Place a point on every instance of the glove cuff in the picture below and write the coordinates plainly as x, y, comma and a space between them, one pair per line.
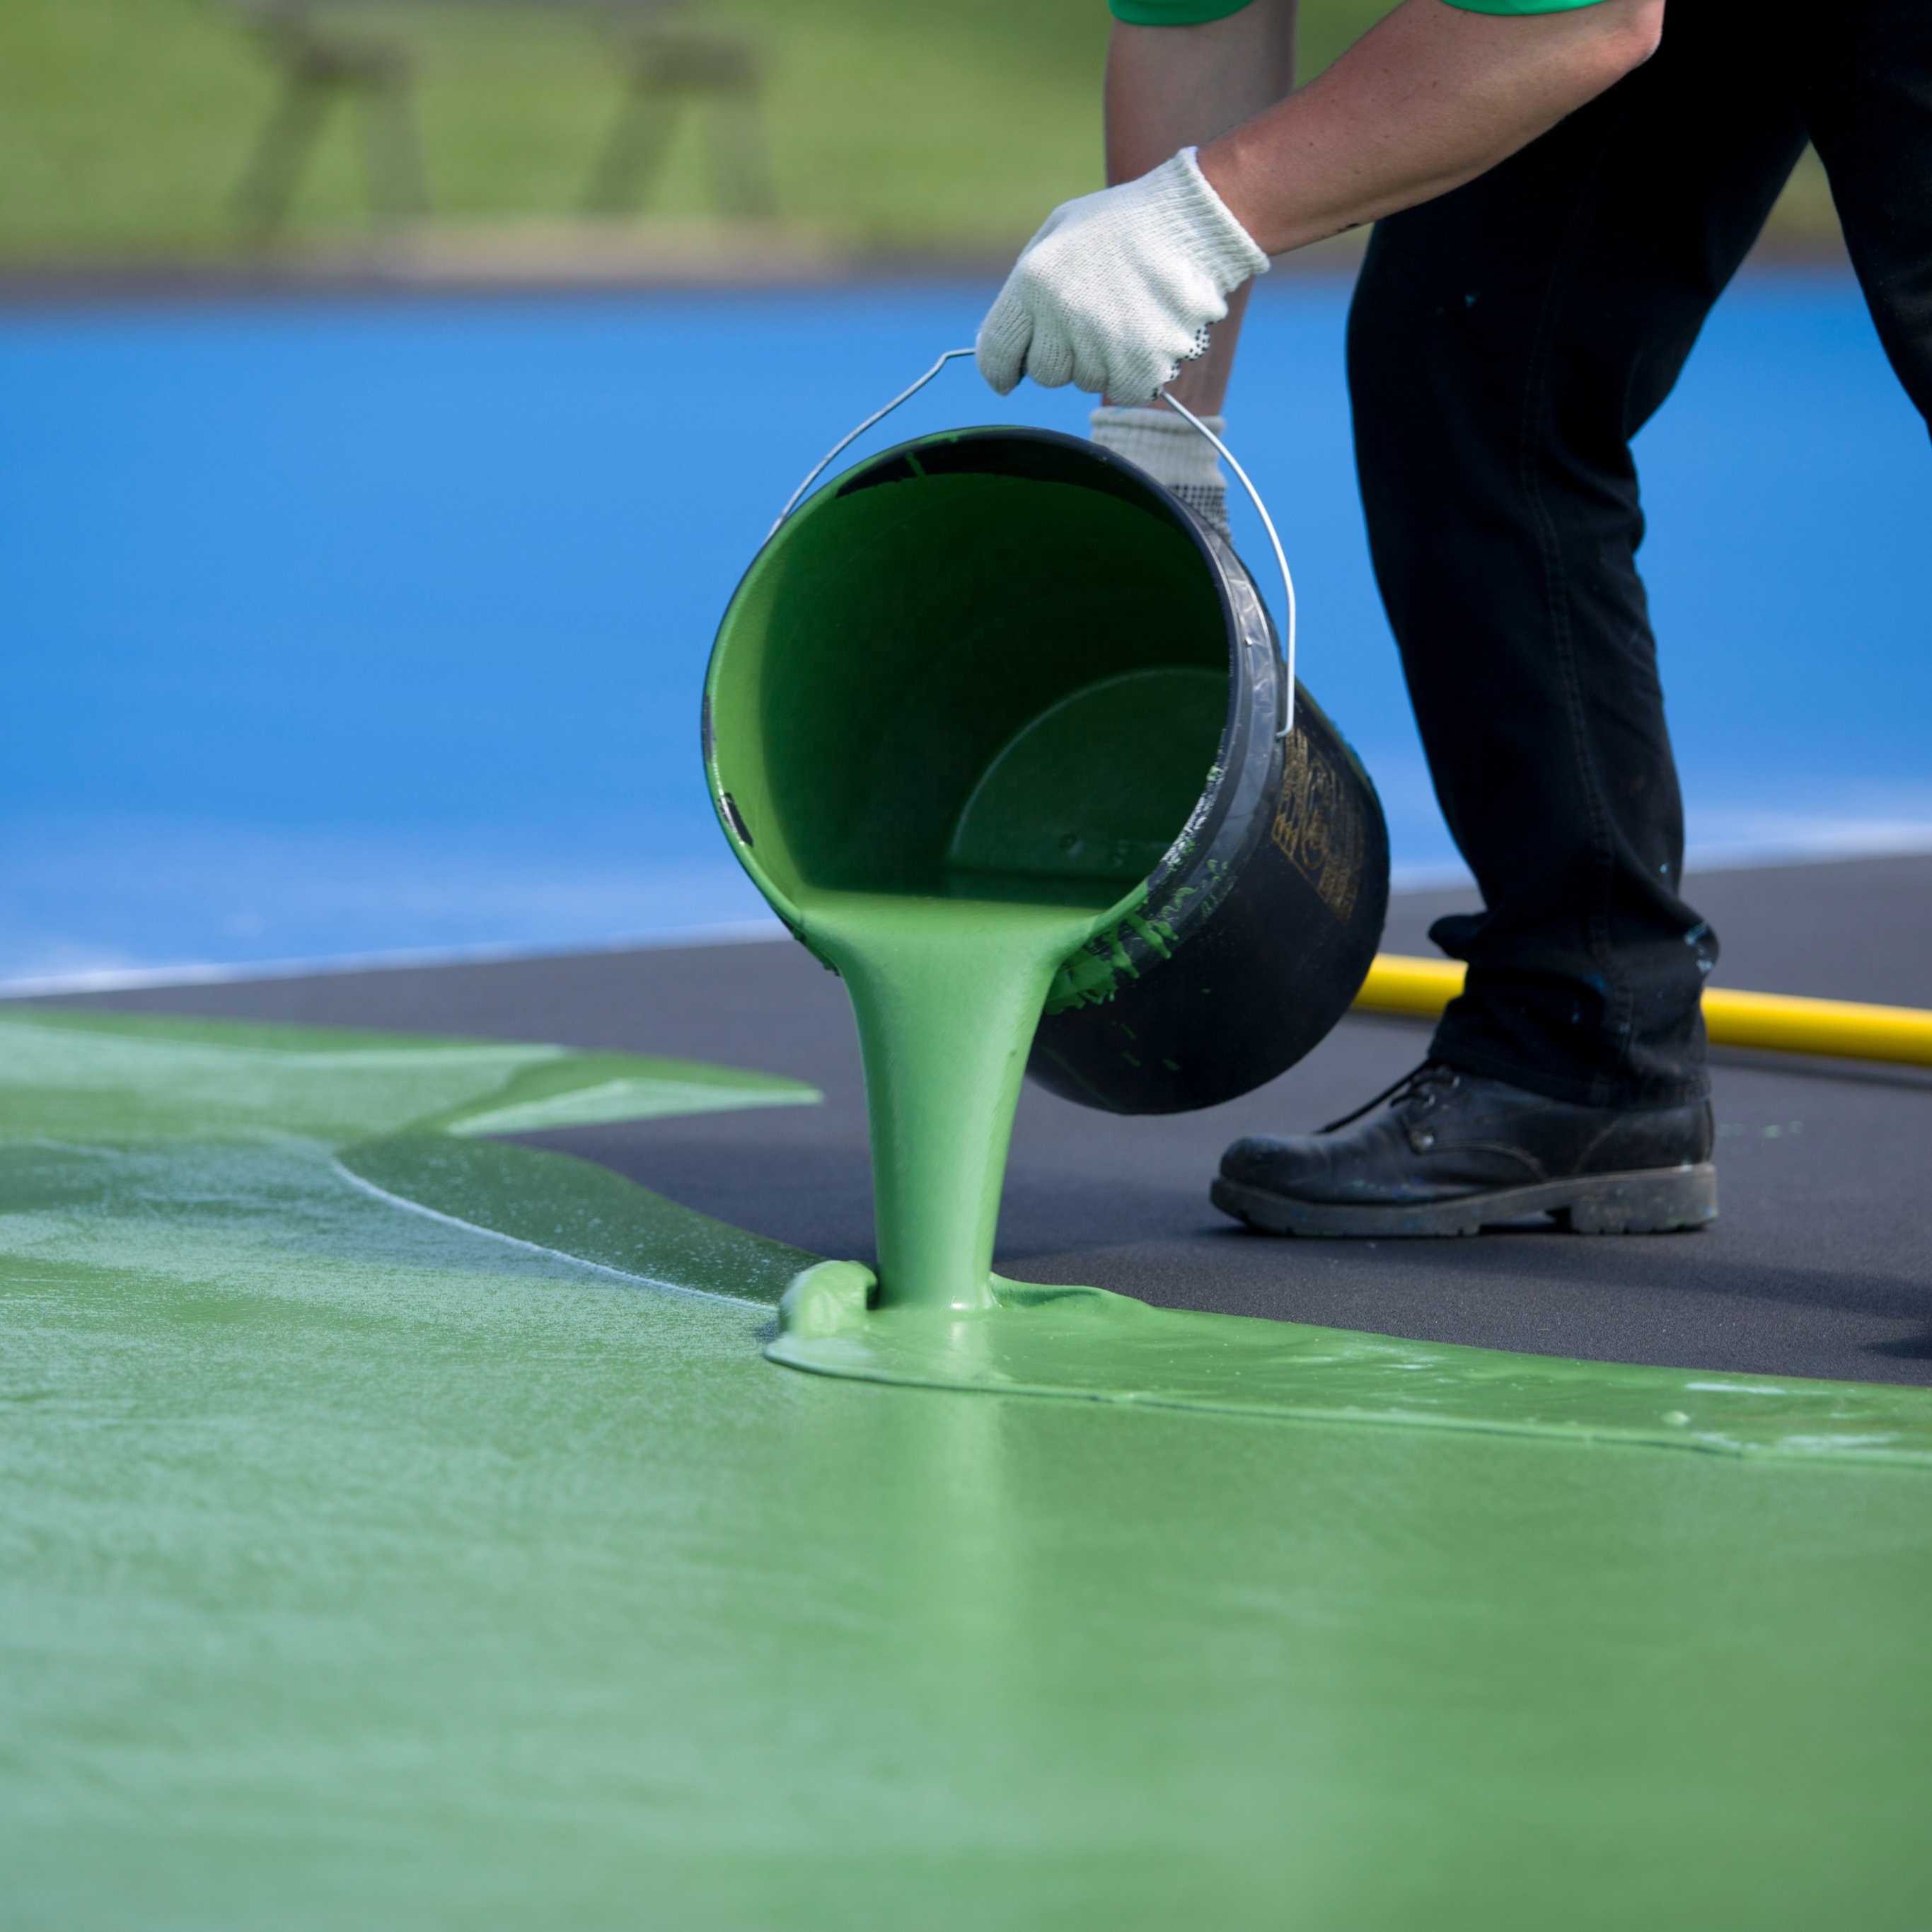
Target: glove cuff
1226, 249
1167, 446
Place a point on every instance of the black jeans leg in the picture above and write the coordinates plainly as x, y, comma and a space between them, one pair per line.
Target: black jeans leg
1507, 341
1867, 98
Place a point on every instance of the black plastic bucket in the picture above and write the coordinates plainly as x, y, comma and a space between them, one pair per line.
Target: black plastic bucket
1004, 664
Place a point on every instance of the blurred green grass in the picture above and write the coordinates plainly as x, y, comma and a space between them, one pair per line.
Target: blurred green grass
124, 123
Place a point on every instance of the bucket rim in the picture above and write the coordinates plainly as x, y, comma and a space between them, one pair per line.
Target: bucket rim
1203, 832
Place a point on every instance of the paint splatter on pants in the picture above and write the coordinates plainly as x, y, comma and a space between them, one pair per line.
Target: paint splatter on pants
1507, 342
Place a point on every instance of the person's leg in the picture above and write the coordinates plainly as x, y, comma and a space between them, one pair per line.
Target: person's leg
1868, 102
1507, 341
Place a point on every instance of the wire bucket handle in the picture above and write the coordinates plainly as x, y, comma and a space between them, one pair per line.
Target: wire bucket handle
1221, 450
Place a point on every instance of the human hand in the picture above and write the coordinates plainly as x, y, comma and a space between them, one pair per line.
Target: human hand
1119, 288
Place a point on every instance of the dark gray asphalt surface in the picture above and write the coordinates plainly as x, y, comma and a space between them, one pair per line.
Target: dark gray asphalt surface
1821, 1263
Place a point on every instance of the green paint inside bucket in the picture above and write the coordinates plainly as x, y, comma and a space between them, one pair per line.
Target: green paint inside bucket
976, 686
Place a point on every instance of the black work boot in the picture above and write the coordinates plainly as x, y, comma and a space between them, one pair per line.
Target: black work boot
1454, 1152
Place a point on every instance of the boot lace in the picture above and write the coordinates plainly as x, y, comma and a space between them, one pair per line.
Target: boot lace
1417, 1080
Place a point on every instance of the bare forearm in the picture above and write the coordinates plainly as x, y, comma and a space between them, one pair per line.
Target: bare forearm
1429, 98
1169, 88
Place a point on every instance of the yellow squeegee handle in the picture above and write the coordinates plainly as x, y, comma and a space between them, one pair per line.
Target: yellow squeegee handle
1778, 1022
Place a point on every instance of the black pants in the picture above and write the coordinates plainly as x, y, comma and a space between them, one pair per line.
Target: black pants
1507, 342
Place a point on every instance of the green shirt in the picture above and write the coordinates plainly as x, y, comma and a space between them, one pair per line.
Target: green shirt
1192, 13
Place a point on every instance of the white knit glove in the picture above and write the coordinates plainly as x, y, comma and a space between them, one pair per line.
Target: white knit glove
1119, 288
1173, 452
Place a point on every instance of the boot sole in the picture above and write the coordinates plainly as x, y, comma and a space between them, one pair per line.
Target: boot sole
1646, 1201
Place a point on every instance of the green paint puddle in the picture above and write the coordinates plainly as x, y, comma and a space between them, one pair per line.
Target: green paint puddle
1083, 1343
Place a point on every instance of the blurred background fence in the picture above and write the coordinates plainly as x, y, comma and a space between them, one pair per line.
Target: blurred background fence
126, 127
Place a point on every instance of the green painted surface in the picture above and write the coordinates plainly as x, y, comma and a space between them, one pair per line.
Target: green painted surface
572, 1208
362, 1569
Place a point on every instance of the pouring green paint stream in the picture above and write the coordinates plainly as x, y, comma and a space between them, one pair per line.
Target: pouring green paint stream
947, 993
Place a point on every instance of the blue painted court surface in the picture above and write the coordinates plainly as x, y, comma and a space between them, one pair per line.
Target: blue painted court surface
378, 628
